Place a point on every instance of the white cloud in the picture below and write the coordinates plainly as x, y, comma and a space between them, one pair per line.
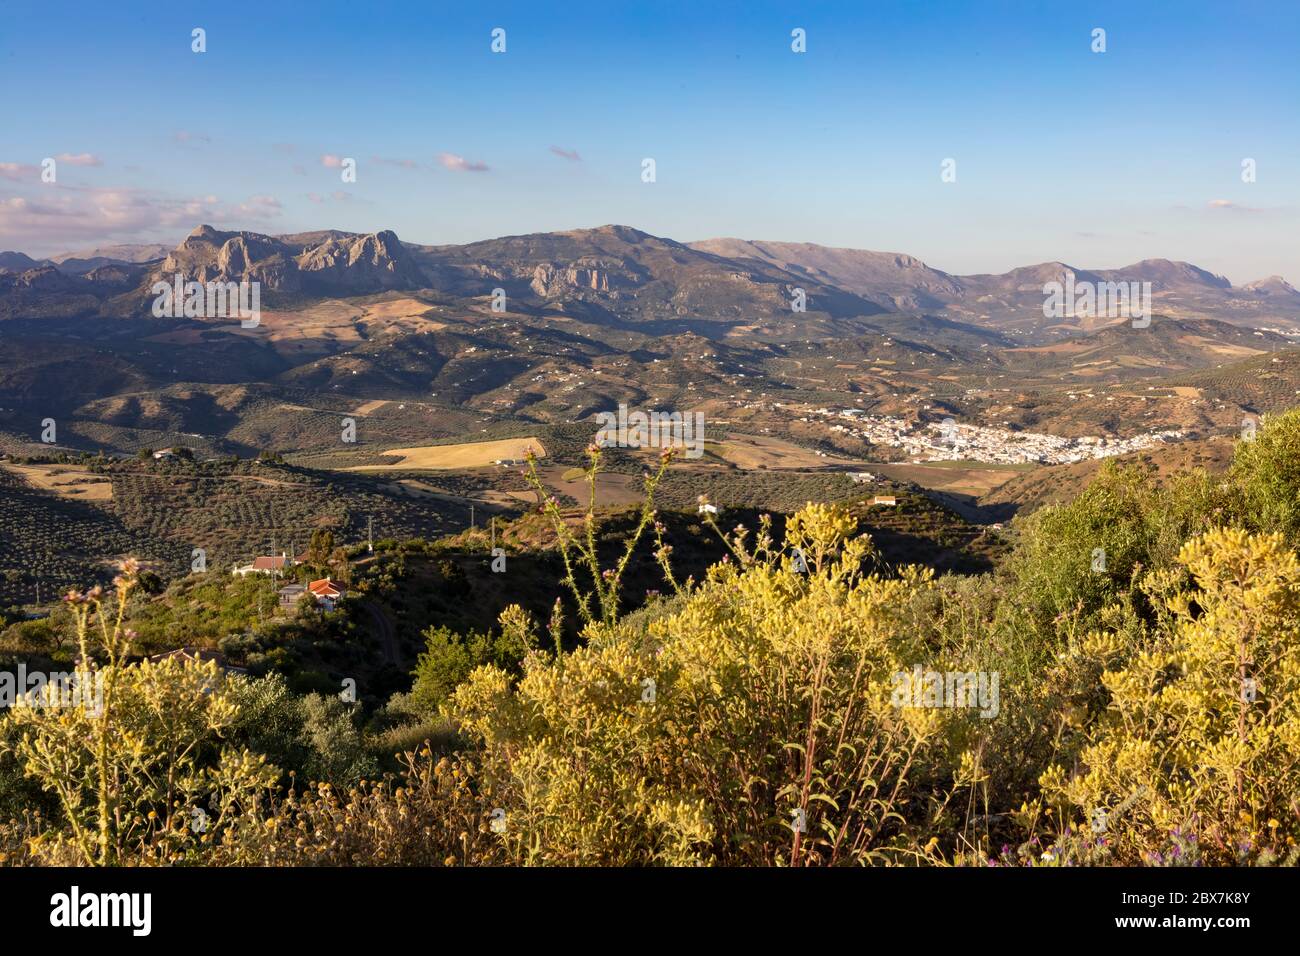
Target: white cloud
67, 216
79, 159
17, 171
460, 164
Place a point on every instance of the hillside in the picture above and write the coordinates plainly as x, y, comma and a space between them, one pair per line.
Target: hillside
1060, 484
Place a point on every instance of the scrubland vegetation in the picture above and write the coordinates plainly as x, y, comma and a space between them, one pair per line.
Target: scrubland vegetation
1145, 638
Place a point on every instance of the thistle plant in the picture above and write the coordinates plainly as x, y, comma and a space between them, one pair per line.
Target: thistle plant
771, 707
601, 602
136, 771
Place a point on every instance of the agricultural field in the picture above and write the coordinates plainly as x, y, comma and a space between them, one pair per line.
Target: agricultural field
163, 511
763, 452
58, 542
968, 478
464, 455
65, 481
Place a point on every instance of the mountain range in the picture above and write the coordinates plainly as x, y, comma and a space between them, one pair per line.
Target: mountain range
545, 330
620, 275
455, 350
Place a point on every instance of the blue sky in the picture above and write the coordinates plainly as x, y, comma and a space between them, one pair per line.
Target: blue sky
1097, 159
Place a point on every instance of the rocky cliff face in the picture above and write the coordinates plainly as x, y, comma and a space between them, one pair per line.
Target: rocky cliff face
377, 261
105, 280
628, 272
548, 281
335, 264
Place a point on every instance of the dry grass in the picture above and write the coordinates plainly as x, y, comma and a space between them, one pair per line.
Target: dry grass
754, 451
612, 489
465, 455
974, 479
66, 481
403, 315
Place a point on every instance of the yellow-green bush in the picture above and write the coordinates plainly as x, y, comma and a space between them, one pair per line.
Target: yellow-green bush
1149, 712
136, 761
1199, 751
710, 735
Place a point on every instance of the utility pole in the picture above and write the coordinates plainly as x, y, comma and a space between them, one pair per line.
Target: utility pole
494, 532
370, 534
471, 516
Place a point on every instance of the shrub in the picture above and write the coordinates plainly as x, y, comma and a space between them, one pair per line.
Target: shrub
753, 726
1201, 743
1267, 470
449, 657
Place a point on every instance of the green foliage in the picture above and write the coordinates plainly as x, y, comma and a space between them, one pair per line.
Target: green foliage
1073, 559
337, 753
449, 658
746, 719
321, 549
136, 761
1267, 470
754, 726
1201, 743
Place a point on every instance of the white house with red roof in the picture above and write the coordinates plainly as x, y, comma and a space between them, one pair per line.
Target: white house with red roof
327, 592
266, 564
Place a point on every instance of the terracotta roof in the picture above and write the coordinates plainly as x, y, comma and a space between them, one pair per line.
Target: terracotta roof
270, 563
326, 588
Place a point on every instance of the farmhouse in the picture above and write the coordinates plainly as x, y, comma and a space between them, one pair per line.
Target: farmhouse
884, 500
327, 592
266, 564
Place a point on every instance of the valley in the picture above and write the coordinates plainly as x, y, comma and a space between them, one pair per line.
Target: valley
398, 387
